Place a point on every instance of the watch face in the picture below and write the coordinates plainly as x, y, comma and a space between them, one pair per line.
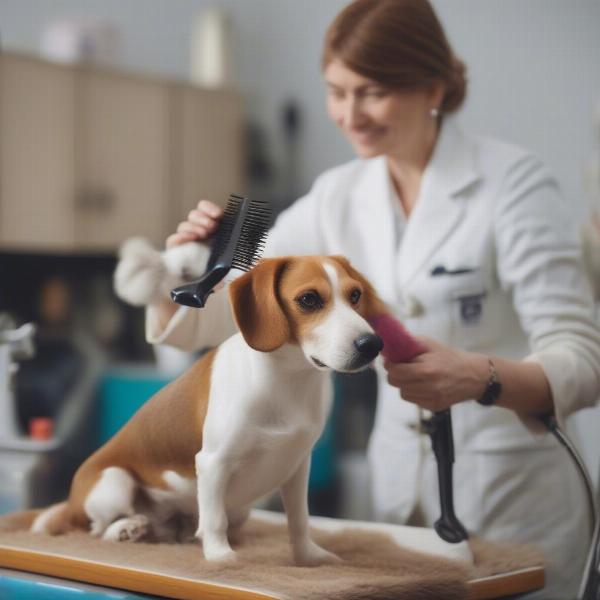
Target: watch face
491, 393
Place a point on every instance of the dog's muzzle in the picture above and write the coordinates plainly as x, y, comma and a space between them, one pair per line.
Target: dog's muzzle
368, 346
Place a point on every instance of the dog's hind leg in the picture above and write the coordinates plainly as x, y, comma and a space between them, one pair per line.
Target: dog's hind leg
127, 529
185, 528
53, 520
111, 498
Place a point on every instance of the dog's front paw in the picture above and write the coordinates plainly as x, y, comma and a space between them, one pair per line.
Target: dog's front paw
312, 555
221, 553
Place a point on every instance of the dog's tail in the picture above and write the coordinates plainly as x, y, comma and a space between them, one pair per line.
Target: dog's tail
53, 520
19, 521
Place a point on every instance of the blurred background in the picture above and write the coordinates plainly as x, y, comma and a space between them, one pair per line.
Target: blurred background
117, 116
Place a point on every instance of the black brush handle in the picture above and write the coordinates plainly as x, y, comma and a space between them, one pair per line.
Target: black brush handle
439, 428
196, 293
237, 244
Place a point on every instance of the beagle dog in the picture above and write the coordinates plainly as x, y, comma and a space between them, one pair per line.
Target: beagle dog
240, 423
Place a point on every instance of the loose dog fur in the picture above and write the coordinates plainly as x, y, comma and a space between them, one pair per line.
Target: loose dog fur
145, 275
239, 423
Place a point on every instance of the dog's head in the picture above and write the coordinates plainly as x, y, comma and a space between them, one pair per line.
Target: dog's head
318, 302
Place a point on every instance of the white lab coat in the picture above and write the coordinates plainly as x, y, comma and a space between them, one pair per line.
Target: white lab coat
493, 213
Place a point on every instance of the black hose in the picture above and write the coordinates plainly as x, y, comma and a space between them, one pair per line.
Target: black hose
590, 583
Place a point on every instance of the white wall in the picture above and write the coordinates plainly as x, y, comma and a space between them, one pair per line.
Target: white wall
534, 65
534, 70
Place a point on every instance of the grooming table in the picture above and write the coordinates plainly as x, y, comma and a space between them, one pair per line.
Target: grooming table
374, 566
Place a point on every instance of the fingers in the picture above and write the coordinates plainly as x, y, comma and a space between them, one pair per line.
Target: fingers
202, 220
418, 384
201, 224
403, 373
210, 208
424, 384
176, 239
427, 342
427, 402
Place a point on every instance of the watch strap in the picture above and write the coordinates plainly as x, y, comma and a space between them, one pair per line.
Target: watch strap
493, 386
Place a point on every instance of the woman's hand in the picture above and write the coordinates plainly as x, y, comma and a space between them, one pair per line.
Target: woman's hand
440, 377
200, 225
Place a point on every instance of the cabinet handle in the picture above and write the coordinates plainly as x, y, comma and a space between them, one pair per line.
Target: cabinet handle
97, 199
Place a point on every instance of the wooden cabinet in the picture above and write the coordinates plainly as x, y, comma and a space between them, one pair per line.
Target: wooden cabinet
89, 157
209, 154
122, 186
37, 155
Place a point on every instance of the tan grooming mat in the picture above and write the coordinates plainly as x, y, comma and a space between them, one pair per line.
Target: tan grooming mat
373, 566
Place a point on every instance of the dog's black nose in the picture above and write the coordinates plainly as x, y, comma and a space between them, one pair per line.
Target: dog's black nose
369, 346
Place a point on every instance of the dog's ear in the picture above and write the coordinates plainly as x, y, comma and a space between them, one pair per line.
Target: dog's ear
255, 300
373, 305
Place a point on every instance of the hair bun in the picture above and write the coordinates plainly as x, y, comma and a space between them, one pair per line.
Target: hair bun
456, 86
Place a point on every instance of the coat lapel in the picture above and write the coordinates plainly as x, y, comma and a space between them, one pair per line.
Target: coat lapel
371, 205
440, 206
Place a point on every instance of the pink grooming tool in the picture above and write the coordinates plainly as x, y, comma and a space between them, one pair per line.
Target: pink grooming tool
398, 344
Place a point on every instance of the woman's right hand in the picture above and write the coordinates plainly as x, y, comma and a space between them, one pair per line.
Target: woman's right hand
200, 225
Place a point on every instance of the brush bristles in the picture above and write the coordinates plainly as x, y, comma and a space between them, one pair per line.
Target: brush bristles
250, 245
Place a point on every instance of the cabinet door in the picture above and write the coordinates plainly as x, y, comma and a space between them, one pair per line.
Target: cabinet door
122, 187
36, 154
210, 150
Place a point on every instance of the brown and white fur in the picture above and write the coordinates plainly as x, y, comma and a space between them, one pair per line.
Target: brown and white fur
240, 423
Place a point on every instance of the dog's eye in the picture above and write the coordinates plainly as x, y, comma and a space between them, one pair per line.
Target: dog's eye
310, 301
355, 296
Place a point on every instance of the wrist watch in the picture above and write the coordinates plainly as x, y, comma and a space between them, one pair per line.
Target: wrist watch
493, 387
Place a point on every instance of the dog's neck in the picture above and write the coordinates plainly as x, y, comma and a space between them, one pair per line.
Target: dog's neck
288, 358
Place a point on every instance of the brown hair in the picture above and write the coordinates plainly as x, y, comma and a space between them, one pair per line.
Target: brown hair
398, 43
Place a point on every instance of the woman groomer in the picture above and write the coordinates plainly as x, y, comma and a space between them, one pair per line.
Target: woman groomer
468, 240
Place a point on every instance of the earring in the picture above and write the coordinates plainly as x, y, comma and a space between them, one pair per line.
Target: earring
435, 113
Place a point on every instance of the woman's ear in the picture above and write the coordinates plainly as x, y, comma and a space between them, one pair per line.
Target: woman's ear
255, 301
373, 305
437, 93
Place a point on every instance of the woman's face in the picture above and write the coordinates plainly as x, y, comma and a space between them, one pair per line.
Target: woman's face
378, 120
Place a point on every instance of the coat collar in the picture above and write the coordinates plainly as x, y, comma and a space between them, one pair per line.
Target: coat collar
371, 203
452, 169
453, 164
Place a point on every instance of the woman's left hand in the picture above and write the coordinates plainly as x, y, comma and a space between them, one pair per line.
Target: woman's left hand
440, 377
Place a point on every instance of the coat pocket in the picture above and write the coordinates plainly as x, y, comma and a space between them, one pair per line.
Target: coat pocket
467, 302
